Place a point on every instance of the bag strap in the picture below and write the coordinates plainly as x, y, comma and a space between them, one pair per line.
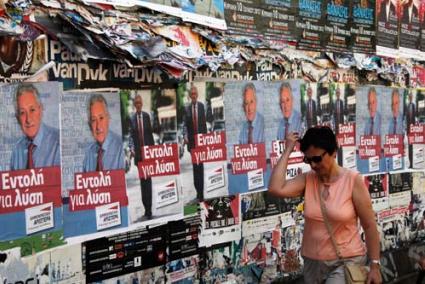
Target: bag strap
328, 225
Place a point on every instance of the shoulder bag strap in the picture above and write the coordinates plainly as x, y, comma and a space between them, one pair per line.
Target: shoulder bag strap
328, 225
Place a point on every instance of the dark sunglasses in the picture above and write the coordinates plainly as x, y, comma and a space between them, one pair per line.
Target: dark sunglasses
315, 159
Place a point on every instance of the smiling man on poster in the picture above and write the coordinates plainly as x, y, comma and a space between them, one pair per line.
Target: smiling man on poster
39, 147
106, 152
252, 130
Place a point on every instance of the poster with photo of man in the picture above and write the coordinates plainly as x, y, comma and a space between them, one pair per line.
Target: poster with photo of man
310, 105
244, 105
284, 117
201, 126
410, 28
152, 146
93, 167
369, 128
414, 116
387, 30
30, 186
400, 189
393, 129
343, 113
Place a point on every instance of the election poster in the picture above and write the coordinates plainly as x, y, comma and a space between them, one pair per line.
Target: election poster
369, 128
378, 191
343, 121
414, 106
422, 29
337, 26
153, 143
30, 194
387, 27
208, 13
310, 26
93, 168
246, 140
125, 253
410, 29
363, 32
220, 220
284, 117
393, 129
203, 156
400, 189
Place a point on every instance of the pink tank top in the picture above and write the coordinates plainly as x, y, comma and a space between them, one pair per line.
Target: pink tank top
342, 216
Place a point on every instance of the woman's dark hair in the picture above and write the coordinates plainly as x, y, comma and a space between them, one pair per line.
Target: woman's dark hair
320, 137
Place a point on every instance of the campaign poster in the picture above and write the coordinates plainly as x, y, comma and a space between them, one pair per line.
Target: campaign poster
62, 265
201, 124
30, 194
208, 13
370, 101
153, 144
311, 106
277, 20
262, 212
93, 166
393, 129
363, 32
337, 26
387, 30
125, 253
410, 29
310, 26
414, 112
283, 117
378, 191
422, 29
400, 189
241, 17
342, 116
220, 220
244, 105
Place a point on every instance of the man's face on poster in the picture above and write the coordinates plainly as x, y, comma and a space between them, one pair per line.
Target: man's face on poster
99, 121
395, 104
138, 103
193, 94
29, 114
372, 103
250, 104
286, 102
338, 93
309, 92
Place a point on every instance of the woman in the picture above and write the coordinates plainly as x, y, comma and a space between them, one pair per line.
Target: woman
346, 200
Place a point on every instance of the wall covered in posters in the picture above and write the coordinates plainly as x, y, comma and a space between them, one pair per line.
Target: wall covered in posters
170, 184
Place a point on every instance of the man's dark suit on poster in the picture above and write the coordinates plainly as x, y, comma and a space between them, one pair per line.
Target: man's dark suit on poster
384, 13
408, 17
195, 125
338, 114
141, 135
311, 113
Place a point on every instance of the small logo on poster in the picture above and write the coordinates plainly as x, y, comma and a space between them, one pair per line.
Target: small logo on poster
255, 179
166, 194
215, 178
108, 216
39, 218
